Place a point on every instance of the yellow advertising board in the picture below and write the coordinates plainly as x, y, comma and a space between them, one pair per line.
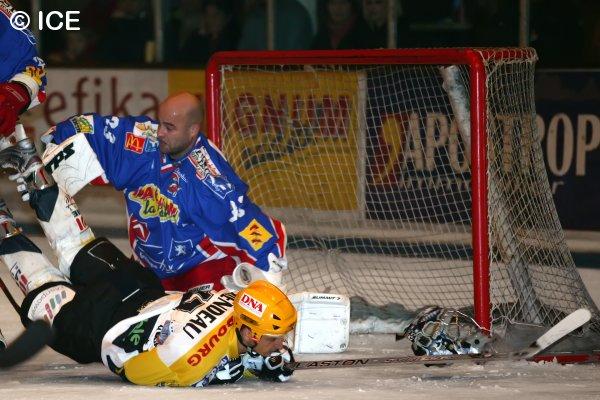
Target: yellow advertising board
295, 136
186, 80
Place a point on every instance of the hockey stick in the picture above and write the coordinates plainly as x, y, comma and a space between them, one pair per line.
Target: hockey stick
37, 335
565, 326
10, 297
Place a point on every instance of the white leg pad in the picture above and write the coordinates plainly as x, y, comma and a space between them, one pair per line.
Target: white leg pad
31, 270
66, 231
323, 322
48, 303
73, 163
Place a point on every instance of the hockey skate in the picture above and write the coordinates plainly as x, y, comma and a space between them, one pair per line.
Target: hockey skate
2, 342
18, 154
8, 226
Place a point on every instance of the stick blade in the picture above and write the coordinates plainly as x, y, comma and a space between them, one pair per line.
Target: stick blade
565, 326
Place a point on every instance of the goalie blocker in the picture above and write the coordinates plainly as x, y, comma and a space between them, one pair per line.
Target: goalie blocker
323, 324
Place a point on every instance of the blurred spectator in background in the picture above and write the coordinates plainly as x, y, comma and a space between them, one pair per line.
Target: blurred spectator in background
293, 29
219, 32
182, 19
54, 43
565, 33
189, 16
557, 32
494, 23
375, 15
589, 17
442, 23
75, 49
128, 34
592, 45
21, 5
340, 26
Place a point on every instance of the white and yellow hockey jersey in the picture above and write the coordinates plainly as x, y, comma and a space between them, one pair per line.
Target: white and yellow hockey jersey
177, 340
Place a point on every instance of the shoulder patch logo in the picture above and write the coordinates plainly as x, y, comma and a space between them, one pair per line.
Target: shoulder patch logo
209, 174
151, 145
134, 143
254, 306
147, 131
256, 234
83, 123
203, 164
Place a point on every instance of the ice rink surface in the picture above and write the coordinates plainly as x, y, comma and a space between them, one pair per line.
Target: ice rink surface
52, 376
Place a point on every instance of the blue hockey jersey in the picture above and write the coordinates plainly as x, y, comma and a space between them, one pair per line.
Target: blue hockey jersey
181, 212
18, 57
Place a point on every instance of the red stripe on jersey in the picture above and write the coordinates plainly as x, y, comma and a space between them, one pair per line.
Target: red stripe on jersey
281, 236
99, 181
233, 251
207, 246
167, 168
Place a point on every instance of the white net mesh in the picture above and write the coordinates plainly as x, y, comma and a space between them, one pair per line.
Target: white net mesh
368, 167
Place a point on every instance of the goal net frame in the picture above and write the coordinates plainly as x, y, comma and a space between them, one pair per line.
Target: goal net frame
475, 123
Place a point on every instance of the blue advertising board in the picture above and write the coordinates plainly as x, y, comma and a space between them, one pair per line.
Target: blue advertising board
568, 108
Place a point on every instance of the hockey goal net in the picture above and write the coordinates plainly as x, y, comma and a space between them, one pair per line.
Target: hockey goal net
404, 178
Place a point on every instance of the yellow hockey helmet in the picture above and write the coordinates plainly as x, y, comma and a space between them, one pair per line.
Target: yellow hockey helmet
265, 309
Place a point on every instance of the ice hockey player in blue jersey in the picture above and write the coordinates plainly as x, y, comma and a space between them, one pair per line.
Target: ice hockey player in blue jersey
190, 218
22, 74
22, 81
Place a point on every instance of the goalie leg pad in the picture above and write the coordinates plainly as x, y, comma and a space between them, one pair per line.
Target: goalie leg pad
73, 164
323, 322
62, 223
81, 318
28, 266
46, 302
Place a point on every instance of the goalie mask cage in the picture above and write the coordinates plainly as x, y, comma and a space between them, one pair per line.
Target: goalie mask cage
404, 178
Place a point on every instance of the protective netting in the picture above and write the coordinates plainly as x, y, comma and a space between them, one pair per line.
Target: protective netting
368, 167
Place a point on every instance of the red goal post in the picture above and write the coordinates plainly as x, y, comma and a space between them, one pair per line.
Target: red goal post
486, 76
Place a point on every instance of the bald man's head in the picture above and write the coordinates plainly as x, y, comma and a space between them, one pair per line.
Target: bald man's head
180, 117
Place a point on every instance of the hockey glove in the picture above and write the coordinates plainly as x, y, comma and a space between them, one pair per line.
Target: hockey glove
272, 368
14, 99
231, 372
21, 186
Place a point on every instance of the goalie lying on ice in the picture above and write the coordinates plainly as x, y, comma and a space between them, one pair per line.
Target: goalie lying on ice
106, 308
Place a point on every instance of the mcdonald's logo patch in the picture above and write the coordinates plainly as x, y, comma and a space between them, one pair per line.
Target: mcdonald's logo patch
134, 143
